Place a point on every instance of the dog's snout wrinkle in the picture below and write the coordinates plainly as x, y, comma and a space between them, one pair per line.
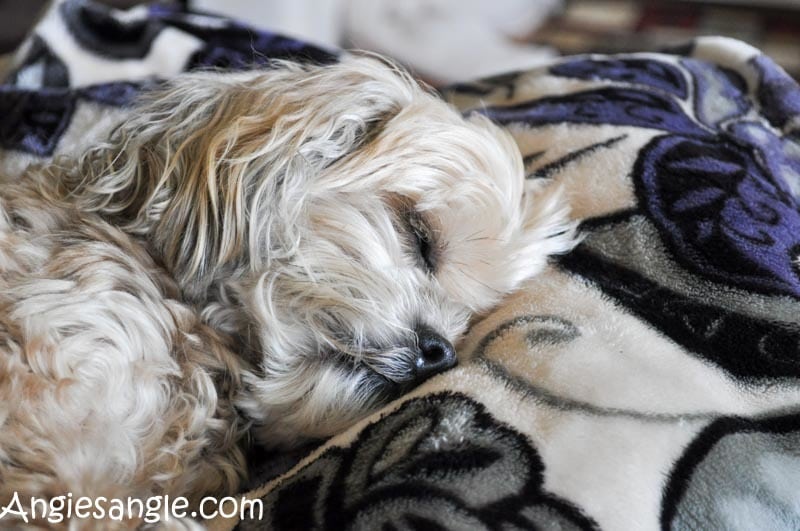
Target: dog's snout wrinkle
435, 354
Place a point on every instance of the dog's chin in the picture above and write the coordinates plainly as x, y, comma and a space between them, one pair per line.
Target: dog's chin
327, 401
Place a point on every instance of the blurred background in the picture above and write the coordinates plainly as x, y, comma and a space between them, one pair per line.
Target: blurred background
450, 40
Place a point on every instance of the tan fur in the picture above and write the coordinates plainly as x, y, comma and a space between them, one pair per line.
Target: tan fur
89, 325
245, 252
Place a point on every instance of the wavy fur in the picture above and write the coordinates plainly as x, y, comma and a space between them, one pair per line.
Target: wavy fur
244, 252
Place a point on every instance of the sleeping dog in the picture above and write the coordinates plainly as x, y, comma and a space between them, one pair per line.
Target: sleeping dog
266, 255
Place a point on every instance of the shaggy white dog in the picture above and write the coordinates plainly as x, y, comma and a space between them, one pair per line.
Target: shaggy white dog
275, 252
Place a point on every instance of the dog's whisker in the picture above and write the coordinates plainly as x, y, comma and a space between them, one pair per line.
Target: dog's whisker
463, 272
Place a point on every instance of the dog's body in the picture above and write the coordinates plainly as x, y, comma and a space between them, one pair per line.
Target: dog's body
278, 251
110, 385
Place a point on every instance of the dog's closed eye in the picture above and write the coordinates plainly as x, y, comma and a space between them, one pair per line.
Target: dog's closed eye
423, 240
417, 231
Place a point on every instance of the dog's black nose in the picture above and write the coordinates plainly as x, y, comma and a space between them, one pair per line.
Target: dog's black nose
434, 354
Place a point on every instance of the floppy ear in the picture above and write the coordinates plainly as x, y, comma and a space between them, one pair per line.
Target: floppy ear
212, 169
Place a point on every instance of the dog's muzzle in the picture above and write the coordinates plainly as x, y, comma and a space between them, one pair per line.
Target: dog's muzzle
432, 354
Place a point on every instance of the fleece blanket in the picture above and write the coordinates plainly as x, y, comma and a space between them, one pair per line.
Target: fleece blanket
648, 379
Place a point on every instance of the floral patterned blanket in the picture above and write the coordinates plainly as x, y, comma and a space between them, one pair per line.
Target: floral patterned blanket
649, 379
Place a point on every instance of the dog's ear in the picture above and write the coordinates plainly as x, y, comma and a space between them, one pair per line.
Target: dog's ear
213, 169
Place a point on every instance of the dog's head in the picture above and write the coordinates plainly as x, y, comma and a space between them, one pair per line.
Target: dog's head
341, 221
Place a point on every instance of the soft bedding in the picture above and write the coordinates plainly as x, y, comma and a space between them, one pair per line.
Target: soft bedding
648, 379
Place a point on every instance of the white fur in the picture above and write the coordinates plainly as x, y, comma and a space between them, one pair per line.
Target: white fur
239, 255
